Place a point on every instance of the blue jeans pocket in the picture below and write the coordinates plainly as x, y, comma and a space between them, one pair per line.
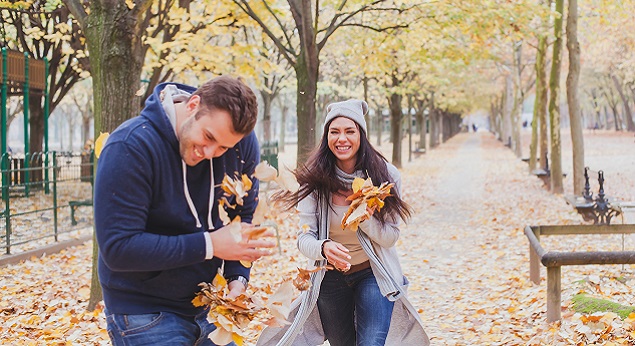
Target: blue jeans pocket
132, 324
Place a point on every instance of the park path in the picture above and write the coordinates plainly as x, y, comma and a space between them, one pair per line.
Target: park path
464, 251
455, 184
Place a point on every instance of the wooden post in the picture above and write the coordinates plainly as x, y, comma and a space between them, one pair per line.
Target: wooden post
534, 266
534, 261
553, 294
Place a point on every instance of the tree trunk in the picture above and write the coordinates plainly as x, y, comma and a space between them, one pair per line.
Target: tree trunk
266, 115
409, 118
85, 129
554, 104
507, 110
596, 107
380, 124
394, 102
630, 126
421, 125
306, 95
114, 44
283, 125
573, 99
36, 124
516, 114
367, 115
434, 120
540, 104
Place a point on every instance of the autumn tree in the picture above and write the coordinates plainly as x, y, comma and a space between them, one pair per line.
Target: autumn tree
301, 41
43, 29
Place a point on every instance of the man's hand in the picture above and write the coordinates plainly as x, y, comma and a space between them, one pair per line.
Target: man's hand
236, 288
228, 247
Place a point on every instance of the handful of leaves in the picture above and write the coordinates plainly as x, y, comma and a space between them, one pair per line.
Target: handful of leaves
231, 316
366, 199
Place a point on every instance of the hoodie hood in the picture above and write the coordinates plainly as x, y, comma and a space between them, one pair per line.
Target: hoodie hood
159, 108
161, 112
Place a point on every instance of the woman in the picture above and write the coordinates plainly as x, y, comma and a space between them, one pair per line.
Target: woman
363, 301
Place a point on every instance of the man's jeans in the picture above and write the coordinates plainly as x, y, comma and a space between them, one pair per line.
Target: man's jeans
353, 310
163, 328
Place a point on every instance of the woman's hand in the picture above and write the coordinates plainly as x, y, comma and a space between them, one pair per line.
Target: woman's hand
337, 255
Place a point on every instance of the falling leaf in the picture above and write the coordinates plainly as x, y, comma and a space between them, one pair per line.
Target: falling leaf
279, 303
100, 143
222, 213
252, 233
261, 210
265, 172
302, 280
236, 187
287, 181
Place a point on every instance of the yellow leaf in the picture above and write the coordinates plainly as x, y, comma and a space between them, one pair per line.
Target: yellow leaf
237, 339
247, 183
130, 4
100, 143
219, 281
357, 184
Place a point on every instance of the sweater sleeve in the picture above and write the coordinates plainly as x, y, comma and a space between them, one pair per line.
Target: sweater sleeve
123, 195
309, 243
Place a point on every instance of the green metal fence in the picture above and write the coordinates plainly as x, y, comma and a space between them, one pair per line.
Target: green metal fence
43, 196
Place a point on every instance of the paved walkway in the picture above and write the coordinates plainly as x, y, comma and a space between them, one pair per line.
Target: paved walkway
464, 250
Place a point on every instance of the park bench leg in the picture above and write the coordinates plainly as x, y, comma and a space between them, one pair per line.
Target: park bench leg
73, 221
534, 266
553, 294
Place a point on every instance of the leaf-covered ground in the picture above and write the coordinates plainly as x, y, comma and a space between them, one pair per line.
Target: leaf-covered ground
464, 252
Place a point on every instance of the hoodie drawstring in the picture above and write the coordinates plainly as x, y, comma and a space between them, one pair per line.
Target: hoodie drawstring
186, 190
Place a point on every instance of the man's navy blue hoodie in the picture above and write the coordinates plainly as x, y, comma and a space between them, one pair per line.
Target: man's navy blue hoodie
151, 253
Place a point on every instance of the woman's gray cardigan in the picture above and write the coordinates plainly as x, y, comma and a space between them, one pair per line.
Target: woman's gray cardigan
378, 242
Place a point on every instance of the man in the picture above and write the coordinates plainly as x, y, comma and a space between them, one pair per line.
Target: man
156, 210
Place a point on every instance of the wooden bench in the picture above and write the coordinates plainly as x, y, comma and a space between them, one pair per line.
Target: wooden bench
554, 260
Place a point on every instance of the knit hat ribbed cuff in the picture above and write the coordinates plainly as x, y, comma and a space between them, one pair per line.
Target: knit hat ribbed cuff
352, 109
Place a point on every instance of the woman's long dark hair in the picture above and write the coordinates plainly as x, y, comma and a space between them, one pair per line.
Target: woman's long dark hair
318, 175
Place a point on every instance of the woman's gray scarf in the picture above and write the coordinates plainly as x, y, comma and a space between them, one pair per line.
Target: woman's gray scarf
309, 297
347, 178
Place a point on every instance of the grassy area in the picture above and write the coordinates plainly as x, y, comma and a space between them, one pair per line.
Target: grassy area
585, 304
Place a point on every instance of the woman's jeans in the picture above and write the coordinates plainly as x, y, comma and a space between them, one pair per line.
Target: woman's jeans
353, 310
164, 328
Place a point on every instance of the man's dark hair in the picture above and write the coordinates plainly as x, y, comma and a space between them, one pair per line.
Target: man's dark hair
234, 96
